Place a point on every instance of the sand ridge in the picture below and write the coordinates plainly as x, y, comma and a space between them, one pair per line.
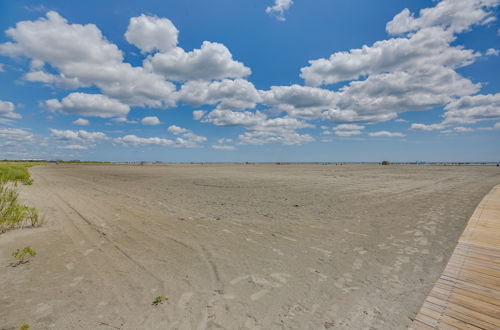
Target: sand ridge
236, 246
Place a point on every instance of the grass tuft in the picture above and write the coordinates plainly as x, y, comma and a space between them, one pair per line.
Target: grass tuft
16, 172
159, 300
13, 214
23, 255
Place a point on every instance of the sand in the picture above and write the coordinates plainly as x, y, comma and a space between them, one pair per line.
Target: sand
235, 246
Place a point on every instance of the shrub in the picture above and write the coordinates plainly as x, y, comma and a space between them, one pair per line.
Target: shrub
16, 173
13, 214
385, 162
159, 300
23, 256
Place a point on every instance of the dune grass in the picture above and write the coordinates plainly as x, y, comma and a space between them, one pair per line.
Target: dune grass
15, 173
14, 214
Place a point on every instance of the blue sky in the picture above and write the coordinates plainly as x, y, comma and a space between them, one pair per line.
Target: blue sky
273, 80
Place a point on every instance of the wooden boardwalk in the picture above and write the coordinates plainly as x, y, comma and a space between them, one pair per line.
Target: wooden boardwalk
467, 295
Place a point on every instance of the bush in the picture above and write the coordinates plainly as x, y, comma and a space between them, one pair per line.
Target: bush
16, 173
385, 162
13, 214
23, 256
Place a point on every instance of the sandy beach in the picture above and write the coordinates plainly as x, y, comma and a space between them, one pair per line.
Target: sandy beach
235, 246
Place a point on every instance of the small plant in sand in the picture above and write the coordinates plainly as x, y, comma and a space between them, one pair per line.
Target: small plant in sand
13, 214
23, 255
25, 327
159, 300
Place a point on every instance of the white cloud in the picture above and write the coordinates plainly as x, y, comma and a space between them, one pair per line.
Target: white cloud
150, 33
74, 147
455, 15
7, 110
348, 133
92, 105
387, 134
223, 147
472, 109
424, 127
81, 122
462, 129
82, 56
186, 138
492, 52
348, 127
138, 141
301, 101
1, 67
151, 120
260, 129
78, 136
390, 93
264, 137
48, 78
212, 61
176, 130
279, 8
426, 47
15, 136
227, 94
198, 114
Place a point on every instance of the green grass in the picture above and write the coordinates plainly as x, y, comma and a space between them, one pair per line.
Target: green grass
16, 173
14, 214
159, 300
23, 255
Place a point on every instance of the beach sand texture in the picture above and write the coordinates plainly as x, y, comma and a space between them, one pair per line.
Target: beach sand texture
236, 246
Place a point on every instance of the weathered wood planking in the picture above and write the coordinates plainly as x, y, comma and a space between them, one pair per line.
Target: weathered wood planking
467, 295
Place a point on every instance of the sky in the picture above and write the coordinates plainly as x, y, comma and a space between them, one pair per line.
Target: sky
248, 80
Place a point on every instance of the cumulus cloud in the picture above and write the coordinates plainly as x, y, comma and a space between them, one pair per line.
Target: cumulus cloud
176, 130
492, 52
212, 61
227, 94
83, 57
348, 127
73, 147
134, 140
7, 110
198, 114
454, 15
150, 33
387, 134
424, 127
426, 47
279, 8
77, 136
150, 120
472, 109
348, 133
300, 101
260, 128
10, 137
81, 122
186, 138
92, 105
